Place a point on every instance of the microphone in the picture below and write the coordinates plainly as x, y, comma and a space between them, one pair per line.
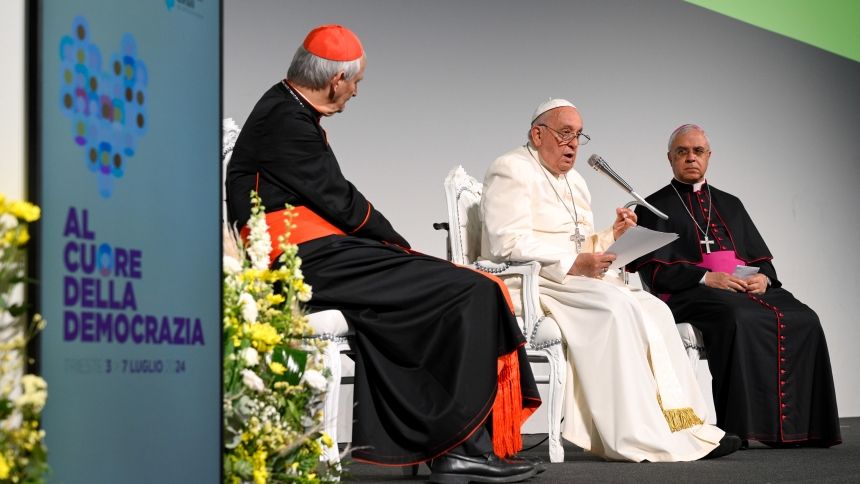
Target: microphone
601, 166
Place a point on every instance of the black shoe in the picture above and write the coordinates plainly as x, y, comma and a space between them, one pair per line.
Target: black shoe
728, 444
462, 469
745, 445
539, 464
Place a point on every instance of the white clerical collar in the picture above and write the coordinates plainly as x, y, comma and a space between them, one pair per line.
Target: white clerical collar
696, 186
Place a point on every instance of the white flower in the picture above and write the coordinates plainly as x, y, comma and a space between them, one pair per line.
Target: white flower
305, 293
231, 266
252, 381
8, 222
249, 307
250, 356
34, 393
260, 242
315, 380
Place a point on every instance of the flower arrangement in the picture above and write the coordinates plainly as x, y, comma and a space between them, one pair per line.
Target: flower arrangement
22, 397
273, 383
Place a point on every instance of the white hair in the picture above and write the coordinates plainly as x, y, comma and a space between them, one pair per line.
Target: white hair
313, 71
543, 118
686, 128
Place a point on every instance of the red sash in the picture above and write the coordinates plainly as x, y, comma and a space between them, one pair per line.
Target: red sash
308, 226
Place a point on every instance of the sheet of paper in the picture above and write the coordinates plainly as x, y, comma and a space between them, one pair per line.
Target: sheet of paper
636, 242
745, 272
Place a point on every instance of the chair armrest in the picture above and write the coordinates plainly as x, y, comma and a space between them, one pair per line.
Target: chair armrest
531, 297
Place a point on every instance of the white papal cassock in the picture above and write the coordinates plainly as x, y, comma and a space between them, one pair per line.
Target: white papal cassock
617, 337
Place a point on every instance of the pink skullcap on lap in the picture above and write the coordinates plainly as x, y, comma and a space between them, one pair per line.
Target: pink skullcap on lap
333, 42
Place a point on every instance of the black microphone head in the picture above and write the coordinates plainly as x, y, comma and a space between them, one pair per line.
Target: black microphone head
595, 161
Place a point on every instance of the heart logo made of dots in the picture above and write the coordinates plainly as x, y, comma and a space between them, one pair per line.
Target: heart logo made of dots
107, 108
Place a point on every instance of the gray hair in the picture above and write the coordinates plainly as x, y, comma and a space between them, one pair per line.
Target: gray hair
686, 128
312, 71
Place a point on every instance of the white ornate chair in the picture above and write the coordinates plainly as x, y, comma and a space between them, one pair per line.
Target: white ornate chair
694, 343
542, 333
328, 325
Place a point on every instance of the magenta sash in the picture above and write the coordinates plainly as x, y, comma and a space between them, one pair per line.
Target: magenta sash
721, 261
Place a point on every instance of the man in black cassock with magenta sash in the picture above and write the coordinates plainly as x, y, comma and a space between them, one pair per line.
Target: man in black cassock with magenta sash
766, 350
441, 372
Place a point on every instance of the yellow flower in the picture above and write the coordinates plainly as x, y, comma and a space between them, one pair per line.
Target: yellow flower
261, 475
275, 299
23, 236
326, 440
4, 466
263, 337
25, 211
277, 368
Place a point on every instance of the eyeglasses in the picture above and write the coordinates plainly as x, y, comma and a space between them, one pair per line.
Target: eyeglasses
568, 136
698, 151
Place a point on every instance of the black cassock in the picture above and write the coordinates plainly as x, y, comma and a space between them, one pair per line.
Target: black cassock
428, 334
772, 380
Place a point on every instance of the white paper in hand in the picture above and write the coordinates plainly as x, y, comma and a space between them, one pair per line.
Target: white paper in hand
745, 272
636, 242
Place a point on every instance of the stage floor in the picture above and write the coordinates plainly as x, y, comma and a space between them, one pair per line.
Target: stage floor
840, 464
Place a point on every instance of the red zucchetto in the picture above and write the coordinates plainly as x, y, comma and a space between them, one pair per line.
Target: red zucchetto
333, 42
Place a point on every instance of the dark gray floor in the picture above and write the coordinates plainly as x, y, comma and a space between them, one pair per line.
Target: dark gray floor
839, 464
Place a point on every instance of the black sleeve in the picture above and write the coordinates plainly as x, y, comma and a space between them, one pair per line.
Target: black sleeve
673, 278
300, 160
766, 267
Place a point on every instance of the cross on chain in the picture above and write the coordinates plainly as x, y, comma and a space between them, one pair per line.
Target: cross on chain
707, 243
578, 238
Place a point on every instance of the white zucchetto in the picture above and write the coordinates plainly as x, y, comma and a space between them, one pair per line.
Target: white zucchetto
551, 104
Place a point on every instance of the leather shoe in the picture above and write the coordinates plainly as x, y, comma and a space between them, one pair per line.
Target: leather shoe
462, 469
728, 444
539, 464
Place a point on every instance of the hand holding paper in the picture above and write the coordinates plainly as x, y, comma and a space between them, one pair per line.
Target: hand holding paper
636, 242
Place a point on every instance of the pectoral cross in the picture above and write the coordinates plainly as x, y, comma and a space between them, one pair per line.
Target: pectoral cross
707, 243
578, 238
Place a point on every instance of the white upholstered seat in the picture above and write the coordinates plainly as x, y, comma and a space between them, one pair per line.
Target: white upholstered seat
463, 194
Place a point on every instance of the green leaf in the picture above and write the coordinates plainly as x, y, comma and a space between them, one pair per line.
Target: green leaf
18, 309
6, 408
293, 360
243, 468
18, 279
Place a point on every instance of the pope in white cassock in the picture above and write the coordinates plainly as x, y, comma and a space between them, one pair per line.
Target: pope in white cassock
630, 394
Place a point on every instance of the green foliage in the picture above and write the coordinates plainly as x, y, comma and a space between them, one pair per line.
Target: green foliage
273, 382
23, 455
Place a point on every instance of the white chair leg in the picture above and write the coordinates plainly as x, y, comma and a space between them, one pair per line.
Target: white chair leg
694, 356
331, 360
557, 377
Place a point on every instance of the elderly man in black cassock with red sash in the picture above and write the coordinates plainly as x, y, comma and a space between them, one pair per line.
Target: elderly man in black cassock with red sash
766, 350
441, 372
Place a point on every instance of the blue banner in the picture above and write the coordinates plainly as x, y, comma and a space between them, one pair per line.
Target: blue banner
130, 239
